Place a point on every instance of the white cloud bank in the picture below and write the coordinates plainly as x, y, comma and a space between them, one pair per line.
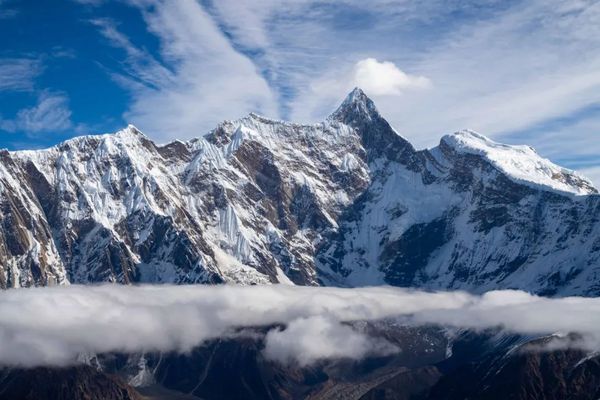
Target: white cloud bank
52, 326
374, 77
377, 78
305, 340
385, 78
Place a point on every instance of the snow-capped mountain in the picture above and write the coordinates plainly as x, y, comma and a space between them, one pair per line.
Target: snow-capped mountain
345, 202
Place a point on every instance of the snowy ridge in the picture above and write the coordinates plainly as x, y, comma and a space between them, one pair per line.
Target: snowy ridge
521, 163
344, 202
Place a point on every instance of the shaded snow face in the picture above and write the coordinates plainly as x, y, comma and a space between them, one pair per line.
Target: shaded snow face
54, 326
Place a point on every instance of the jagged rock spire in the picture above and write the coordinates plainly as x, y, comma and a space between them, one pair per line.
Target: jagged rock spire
357, 106
378, 137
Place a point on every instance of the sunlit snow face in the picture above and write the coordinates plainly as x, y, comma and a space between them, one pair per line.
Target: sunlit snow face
52, 326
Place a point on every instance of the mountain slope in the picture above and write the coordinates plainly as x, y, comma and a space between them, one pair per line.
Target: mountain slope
344, 202
469, 214
81, 382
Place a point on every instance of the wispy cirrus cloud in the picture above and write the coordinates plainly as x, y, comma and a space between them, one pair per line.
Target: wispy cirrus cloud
51, 113
497, 67
501, 68
7, 11
19, 74
141, 69
200, 79
91, 2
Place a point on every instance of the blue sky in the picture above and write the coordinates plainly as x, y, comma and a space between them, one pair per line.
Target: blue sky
522, 72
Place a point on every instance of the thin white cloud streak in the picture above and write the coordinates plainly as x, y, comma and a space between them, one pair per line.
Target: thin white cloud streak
206, 81
560, 142
52, 326
18, 74
141, 68
51, 113
94, 3
7, 12
514, 71
528, 64
505, 68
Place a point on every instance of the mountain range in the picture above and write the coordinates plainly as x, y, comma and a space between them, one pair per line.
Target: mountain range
345, 202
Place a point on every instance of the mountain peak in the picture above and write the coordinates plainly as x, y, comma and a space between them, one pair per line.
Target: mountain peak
521, 163
130, 132
356, 106
356, 95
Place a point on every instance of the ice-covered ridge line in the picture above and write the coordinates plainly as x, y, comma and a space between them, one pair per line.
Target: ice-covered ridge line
520, 163
46, 159
128, 132
253, 117
267, 120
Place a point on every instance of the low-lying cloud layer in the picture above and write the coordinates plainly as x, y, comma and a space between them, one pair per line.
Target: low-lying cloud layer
52, 326
305, 340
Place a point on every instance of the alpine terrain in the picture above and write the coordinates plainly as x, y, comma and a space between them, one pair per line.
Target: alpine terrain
345, 202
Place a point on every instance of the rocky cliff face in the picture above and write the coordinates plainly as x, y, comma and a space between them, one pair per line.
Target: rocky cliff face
81, 382
522, 372
344, 202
